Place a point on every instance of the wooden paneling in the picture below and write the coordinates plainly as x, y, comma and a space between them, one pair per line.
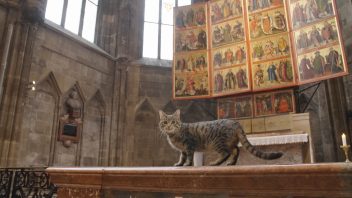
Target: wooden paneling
307, 180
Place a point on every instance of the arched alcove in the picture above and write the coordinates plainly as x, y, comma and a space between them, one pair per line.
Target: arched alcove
40, 123
68, 154
145, 134
93, 131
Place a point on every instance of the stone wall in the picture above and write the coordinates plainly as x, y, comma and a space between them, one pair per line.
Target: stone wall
58, 64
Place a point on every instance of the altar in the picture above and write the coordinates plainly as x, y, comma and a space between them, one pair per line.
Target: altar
294, 175
288, 133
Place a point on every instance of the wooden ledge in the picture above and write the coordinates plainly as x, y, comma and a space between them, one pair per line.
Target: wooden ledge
334, 180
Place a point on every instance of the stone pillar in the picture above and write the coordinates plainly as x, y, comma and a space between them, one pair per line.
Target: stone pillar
16, 78
4, 56
338, 114
107, 26
130, 29
119, 112
124, 39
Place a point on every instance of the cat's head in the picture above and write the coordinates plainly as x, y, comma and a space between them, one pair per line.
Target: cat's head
169, 124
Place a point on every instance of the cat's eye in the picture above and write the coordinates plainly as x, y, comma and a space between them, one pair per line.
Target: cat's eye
165, 122
173, 122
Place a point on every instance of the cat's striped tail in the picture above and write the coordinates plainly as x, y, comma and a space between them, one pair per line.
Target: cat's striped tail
252, 149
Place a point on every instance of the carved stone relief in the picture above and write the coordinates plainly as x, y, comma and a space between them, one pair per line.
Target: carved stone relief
69, 192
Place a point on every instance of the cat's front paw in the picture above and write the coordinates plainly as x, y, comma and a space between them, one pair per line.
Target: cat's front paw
178, 164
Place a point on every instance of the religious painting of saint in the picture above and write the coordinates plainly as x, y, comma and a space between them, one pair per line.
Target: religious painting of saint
267, 23
190, 16
263, 104
225, 9
230, 81
191, 62
243, 107
190, 40
315, 36
272, 74
228, 32
305, 12
270, 48
228, 56
235, 107
321, 64
226, 108
195, 85
284, 102
257, 5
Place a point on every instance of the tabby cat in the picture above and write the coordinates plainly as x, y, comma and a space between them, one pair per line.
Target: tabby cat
220, 135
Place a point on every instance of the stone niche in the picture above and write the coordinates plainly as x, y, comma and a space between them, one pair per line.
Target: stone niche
71, 120
69, 132
41, 109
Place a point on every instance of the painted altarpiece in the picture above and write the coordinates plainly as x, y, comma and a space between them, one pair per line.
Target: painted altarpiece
256, 105
191, 72
230, 47
229, 50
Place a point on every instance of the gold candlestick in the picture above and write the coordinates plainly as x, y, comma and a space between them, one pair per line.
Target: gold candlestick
346, 148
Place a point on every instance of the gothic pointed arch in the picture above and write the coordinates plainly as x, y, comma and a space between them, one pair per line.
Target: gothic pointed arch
99, 98
93, 131
145, 107
76, 111
80, 96
145, 122
196, 112
49, 85
42, 111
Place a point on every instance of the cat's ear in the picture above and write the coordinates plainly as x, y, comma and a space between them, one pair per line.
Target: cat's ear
177, 113
162, 115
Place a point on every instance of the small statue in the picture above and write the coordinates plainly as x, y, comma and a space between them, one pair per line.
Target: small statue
71, 123
73, 105
222, 135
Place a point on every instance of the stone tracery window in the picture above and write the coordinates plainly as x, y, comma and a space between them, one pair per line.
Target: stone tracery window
158, 28
77, 16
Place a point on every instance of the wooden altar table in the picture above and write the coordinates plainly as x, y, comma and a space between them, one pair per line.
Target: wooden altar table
304, 180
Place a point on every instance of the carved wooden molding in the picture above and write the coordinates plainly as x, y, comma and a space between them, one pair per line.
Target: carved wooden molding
69, 192
305, 180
